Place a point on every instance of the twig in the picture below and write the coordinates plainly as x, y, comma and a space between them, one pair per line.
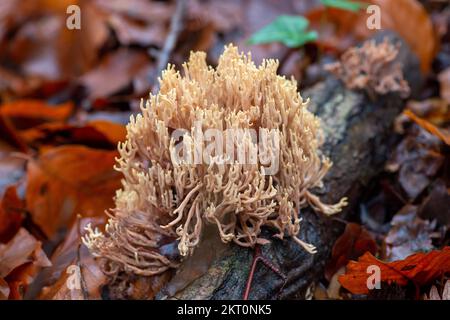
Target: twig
176, 24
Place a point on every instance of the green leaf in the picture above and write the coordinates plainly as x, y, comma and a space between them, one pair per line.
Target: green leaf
345, 4
289, 30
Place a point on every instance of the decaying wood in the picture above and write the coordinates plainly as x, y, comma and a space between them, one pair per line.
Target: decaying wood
357, 129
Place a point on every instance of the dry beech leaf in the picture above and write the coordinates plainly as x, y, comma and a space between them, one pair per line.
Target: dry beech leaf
139, 10
353, 243
442, 134
410, 19
4, 289
129, 32
434, 293
47, 48
97, 133
341, 29
73, 253
409, 234
69, 180
77, 50
116, 71
27, 113
11, 214
420, 269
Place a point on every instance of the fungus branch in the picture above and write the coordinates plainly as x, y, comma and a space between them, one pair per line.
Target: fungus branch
372, 67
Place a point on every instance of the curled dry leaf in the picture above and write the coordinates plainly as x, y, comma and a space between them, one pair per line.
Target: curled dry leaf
353, 243
20, 259
420, 269
11, 214
69, 180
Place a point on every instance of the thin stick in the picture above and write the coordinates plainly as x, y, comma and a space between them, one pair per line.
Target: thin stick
176, 25
256, 258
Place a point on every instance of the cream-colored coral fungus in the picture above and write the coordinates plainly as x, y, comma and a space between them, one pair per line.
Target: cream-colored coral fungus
164, 199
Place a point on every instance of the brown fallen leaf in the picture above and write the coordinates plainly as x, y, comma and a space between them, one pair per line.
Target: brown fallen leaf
129, 32
443, 134
353, 243
139, 10
341, 29
28, 113
11, 214
420, 269
11, 166
4, 289
418, 159
444, 81
409, 234
434, 110
20, 259
70, 180
97, 133
71, 260
78, 49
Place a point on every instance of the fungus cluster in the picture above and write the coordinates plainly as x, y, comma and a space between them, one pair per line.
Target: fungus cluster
372, 67
165, 200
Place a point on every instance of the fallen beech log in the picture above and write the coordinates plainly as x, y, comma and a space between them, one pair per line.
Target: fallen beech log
356, 130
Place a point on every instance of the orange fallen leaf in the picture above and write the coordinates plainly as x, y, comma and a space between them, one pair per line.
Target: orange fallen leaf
354, 242
27, 113
70, 180
419, 268
442, 134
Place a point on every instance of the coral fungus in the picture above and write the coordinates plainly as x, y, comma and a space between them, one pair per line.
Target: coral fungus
371, 67
166, 201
